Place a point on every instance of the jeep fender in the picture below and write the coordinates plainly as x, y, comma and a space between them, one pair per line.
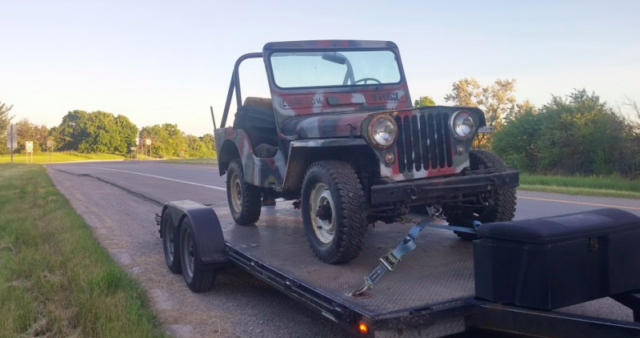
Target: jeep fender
303, 152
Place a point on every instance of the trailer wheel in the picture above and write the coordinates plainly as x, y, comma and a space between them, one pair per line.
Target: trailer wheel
333, 211
198, 277
170, 244
502, 205
244, 199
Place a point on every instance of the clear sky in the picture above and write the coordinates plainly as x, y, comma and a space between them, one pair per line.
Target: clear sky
168, 61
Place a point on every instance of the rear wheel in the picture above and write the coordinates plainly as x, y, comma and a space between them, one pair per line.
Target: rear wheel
333, 211
198, 277
501, 203
244, 199
170, 240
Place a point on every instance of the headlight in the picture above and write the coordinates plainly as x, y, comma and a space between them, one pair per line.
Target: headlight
383, 131
462, 124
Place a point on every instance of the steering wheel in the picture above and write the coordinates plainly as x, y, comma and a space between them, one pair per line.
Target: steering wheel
366, 79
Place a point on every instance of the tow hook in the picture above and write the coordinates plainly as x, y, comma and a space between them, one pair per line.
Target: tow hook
413, 192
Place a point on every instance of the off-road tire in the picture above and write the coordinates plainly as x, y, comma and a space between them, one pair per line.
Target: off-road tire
172, 260
350, 209
198, 278
504, 202
251, 203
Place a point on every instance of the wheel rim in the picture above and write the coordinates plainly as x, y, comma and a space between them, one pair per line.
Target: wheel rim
322, 213
168, 239
236, 193
187, 253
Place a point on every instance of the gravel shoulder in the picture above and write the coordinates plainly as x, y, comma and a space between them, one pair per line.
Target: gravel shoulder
238, 306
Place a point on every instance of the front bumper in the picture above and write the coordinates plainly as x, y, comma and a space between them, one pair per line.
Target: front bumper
431, 188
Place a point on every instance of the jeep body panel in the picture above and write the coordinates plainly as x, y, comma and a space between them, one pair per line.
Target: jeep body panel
262, 172
424, 146
291, 102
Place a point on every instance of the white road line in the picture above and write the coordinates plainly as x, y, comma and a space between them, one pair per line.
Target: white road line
164, 178
576, 202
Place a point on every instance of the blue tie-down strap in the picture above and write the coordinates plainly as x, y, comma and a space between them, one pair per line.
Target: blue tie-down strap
388, 262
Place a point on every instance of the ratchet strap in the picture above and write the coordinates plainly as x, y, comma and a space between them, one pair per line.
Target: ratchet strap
389, 261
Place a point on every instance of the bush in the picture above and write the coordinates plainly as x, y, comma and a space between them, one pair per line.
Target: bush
577, 135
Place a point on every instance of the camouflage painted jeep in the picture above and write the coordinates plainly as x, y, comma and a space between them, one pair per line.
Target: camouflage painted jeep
340, 137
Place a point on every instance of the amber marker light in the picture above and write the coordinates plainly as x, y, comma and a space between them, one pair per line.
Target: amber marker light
363, 328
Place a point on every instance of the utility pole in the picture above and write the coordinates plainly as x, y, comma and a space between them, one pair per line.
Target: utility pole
11, 135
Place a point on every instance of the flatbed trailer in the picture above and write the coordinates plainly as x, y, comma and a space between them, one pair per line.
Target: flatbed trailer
431, 293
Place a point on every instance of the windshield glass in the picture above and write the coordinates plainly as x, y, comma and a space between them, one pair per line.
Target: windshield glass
341, 68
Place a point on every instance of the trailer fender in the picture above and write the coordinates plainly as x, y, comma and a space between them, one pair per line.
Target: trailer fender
206, 229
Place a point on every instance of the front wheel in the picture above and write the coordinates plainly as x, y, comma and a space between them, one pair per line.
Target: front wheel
501, 202
333, 211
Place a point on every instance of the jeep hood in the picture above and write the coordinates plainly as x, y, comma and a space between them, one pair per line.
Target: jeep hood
326, 125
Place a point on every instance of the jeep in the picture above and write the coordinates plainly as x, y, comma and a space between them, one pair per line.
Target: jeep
341, 138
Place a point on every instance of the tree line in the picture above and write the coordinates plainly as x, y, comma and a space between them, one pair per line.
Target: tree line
574, 135
103, 132
577, 134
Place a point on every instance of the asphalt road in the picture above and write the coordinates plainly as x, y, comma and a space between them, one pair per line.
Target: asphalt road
119, 199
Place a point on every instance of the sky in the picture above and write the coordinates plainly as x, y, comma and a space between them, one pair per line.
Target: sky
168, 61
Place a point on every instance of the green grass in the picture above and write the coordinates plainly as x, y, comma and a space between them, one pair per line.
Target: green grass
212, 160
578, 185
55, 279
60, 157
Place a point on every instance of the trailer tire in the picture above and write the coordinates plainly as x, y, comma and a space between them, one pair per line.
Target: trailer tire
171, 243
503, 207
244, 199
197, 276
331, 189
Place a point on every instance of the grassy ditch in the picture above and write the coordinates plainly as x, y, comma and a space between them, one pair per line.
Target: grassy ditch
578, 185
59, 157
212, 160
55, 279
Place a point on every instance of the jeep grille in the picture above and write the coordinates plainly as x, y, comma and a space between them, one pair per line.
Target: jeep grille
424, 142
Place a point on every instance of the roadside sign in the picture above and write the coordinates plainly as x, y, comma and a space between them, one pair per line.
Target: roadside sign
147, 141
49, 144
12, 136
28, 145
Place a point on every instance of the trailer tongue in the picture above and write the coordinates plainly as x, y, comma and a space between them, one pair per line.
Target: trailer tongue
434, 291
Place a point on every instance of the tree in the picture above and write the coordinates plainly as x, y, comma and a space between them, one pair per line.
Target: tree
96, 132
5, 119
28, 131
495, 100
424, 101
579, 134
166, 139
210, 144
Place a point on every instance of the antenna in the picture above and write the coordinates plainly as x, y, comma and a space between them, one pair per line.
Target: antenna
213, 118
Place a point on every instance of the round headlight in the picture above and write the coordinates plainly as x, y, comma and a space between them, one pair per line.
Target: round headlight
383, 131
463, 124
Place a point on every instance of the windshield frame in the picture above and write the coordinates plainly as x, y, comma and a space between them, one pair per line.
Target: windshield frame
273, 82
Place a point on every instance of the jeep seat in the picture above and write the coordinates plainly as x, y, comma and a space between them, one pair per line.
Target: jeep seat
257, 119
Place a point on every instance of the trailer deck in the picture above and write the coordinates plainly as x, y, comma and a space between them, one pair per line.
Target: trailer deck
432, 290
439, 270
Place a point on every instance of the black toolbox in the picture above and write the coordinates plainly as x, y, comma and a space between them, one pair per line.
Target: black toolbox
552, 262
